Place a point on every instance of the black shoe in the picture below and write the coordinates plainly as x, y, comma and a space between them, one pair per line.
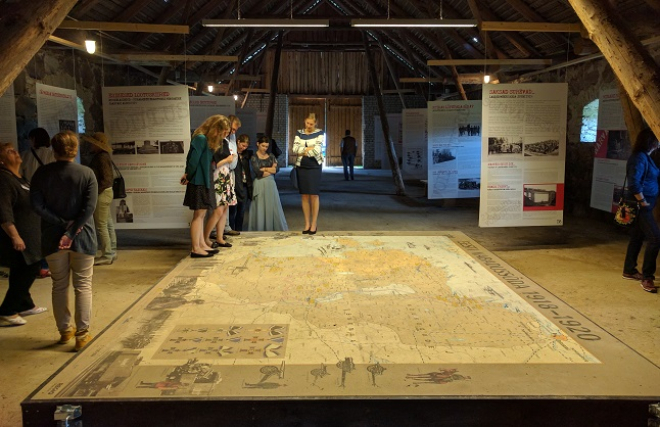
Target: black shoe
213, 251
312, 232
221, 245
196, 255
306, 231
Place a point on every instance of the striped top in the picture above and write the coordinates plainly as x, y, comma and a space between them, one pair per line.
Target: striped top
303, 140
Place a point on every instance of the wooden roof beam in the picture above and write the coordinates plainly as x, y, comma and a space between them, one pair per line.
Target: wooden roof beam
129, 27
538, 27
174, 8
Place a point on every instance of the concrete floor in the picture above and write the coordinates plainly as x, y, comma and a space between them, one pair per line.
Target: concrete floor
579, 263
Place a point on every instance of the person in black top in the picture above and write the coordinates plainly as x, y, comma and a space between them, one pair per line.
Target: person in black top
243, 187
20, 239
348, 152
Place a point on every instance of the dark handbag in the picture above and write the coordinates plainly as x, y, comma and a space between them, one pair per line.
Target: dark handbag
627, 212
293, 176
118, 184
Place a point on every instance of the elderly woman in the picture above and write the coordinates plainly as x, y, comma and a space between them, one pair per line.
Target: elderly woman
642, 176
20, 239
308, 146
64, 194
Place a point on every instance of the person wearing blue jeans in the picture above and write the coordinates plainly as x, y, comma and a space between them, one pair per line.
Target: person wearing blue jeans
642, 176
348, 152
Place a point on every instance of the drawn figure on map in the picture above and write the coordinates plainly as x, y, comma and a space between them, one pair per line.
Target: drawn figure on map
347, 366
319, 373
268, 371
375, 370
443, 376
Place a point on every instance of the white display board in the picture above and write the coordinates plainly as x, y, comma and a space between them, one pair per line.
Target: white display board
8, 131
611, 152
523, 155
57, 109
202, 107
414, 148
454, 149
149, 128
396, 133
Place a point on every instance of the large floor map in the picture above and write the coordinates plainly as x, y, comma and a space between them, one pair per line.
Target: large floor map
347, 315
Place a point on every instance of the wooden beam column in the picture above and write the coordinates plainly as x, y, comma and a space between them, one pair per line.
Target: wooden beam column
391, 154
270, 116
390, 68
632, 64
25, 27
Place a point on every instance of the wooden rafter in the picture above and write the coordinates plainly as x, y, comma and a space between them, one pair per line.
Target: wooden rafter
171, 11
539, 27
123, 27
130, 12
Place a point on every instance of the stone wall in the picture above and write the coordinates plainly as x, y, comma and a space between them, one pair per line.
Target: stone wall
69, 69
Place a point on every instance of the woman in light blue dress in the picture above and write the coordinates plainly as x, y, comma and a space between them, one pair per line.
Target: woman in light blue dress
266, 212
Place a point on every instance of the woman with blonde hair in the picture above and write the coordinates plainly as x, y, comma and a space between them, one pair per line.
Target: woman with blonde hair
200, 195
308, 146
223, 184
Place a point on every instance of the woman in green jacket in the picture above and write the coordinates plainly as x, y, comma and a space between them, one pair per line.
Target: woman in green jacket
200, 195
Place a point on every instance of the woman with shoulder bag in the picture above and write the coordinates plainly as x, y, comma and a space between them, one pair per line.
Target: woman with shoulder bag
642, 175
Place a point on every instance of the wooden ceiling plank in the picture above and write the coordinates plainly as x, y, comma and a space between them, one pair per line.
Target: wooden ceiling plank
130, 12
84, 7
174, 8
123, 27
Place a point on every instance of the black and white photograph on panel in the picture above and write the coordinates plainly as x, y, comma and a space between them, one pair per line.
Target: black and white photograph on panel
498, 145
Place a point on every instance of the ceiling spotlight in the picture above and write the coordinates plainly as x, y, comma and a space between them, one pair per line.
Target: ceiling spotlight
90, 45
235, 97
486, 78
210, 88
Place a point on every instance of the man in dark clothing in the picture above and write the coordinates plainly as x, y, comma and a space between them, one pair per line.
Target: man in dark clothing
348, 152
243, 185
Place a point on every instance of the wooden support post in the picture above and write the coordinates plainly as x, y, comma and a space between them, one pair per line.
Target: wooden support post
241, 58
391, 154
390, 68
164, 72
270, 116
632, 64
25, 27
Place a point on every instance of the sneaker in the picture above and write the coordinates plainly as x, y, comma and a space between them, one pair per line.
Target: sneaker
636, 275
66, 335
232, 233
43, 273
14, 320
647, 285
82, 341
33, 311
103, 261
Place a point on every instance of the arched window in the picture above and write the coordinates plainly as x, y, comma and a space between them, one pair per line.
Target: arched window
589, 122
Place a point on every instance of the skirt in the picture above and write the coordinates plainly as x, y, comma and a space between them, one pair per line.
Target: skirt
223, 181
199, 197
309, 179
266, 212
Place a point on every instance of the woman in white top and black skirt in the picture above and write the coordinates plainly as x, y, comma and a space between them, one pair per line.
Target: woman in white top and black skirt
308, 146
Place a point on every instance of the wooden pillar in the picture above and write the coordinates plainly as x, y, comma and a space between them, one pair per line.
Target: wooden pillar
25, 27
390, 68
273, 85
391, 154
632, 64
